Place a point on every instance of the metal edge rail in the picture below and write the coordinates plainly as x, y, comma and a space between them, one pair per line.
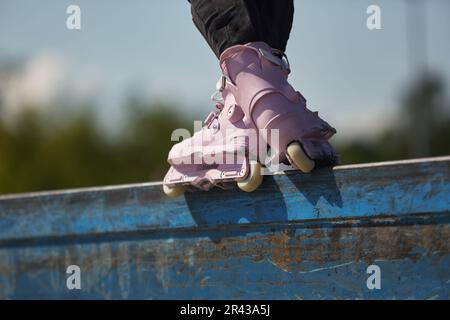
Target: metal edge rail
389, 190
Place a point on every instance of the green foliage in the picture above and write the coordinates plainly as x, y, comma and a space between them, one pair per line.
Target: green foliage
39, 154
422, 129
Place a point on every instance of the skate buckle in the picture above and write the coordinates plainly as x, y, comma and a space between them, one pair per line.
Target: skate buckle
235, 113
217, 97
211, 122
220, 86
285, 62
221, 83
209, 118
273, 57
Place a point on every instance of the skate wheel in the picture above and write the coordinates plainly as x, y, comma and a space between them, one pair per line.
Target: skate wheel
173, 192
254, 178
299, 158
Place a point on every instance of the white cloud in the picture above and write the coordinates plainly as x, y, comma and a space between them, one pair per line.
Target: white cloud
353, 121
43, 80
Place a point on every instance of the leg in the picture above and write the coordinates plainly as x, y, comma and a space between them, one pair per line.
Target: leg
272, 20
225, 23
254, 94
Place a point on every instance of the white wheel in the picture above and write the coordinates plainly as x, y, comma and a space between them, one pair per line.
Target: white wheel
173, 192
299, 158
254, 178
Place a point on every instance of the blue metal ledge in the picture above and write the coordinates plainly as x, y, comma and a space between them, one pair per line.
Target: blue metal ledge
300, 236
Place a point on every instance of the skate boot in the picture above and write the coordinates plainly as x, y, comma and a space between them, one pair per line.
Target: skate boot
256, 109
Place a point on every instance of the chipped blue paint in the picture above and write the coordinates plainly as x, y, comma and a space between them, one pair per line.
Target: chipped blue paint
299, 236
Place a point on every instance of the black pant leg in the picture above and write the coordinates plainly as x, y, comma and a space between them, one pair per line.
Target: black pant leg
225, 23
272, 20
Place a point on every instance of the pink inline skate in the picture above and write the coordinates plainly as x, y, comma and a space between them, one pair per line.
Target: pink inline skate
260, 121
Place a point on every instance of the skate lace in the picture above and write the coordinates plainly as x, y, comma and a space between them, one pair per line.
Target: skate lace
218, 99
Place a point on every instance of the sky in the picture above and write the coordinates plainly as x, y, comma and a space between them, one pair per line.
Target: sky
352, 75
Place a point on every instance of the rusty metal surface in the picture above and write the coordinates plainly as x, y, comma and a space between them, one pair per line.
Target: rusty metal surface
299, 237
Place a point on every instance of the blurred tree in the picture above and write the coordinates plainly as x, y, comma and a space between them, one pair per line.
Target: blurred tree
37, 153
423, 127
425, 111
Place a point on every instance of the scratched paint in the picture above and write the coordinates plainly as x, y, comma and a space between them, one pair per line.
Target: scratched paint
299, 237
331, 263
